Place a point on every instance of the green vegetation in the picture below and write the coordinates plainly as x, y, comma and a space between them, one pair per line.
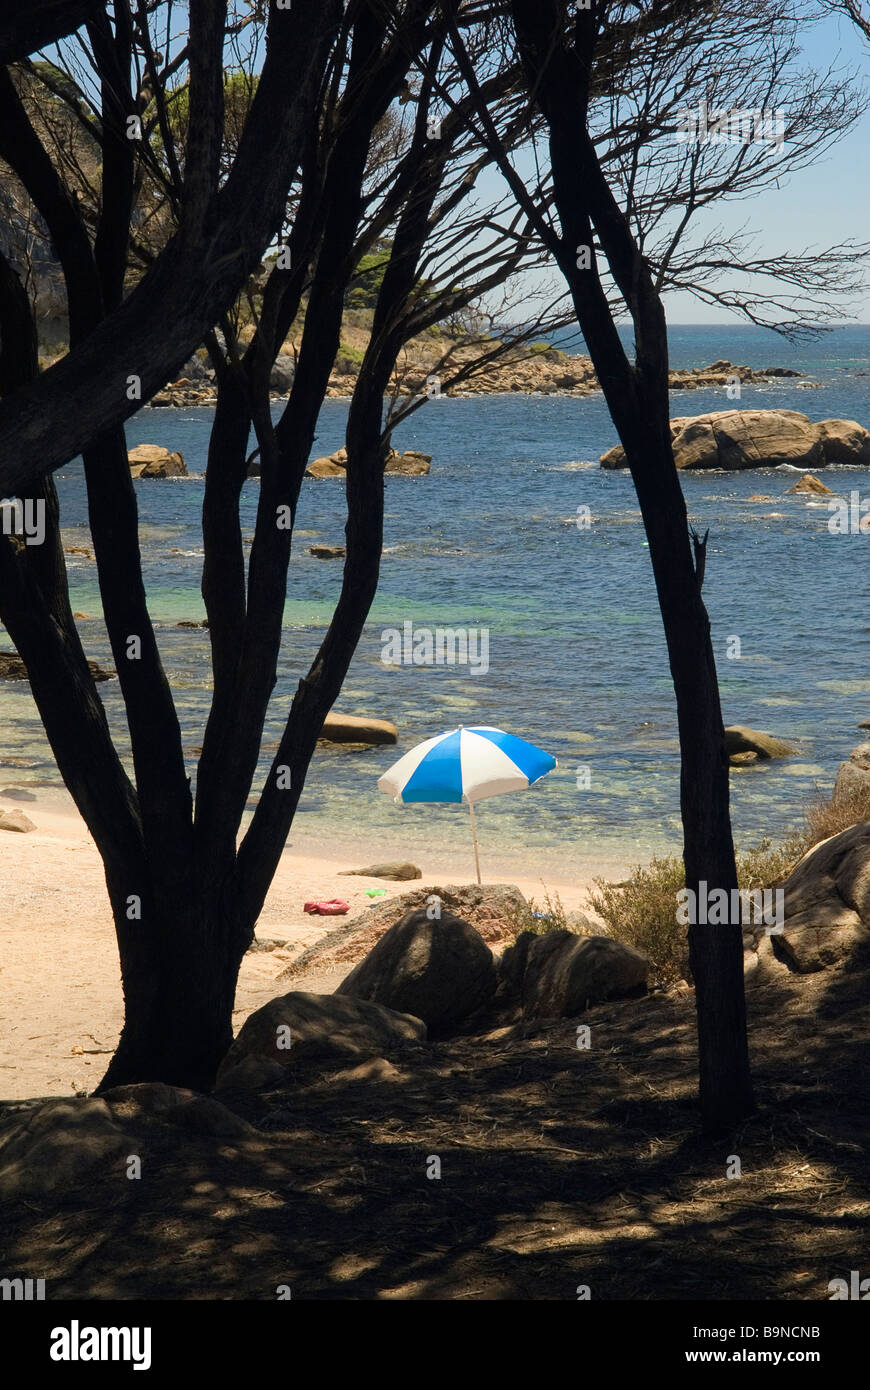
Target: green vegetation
642, 910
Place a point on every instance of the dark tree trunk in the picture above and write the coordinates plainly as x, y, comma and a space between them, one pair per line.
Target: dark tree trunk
179, 972
559, 75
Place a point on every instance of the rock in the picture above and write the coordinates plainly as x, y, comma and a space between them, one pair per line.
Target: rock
283, 373
250, 1074
827, 903
742, 759
324, 468
740, 739
411, 464
809, 483
736, 439
439, 970
351, 728
192, 622
153, 461
320, 1027
853, 777
399, 872
844, 441
759, 497
558, 974
56, 1147
12, 668
16, 820
17, 794
328, 552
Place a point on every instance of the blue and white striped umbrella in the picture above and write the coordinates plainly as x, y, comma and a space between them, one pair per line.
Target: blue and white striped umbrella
466, 765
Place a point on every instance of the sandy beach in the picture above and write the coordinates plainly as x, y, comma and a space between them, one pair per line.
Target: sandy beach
60, 988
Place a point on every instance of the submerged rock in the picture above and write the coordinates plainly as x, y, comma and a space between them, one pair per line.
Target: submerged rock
740, 739
350, 728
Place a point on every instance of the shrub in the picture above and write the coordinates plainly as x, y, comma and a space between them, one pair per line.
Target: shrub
642, 911
532, 917
826, 816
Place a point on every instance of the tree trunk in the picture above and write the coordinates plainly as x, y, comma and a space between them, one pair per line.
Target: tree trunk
559, 74
179, 977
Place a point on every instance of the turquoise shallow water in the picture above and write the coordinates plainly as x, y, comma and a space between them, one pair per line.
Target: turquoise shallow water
576, 653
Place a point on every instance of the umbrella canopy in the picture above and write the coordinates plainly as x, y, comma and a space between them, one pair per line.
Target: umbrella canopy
466, 765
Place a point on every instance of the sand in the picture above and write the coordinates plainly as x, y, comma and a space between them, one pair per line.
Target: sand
61, 1007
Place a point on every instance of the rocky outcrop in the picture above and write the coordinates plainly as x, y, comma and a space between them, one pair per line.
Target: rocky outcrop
738, 439
16, 820
327, 552
153, 461
412, 464
398, 872
740, 739
558, 974
438, 969
323, 1028
351, 728
826, 904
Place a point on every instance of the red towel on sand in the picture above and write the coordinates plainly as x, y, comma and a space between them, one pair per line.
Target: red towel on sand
334, 908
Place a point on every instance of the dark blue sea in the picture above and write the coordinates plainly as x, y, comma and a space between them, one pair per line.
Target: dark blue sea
576, 653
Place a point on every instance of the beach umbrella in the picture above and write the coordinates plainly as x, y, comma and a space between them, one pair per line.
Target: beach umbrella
466, 765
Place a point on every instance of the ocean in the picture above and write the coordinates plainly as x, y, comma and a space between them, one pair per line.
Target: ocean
577, 663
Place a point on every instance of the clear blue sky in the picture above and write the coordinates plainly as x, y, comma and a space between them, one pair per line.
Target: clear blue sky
819, 206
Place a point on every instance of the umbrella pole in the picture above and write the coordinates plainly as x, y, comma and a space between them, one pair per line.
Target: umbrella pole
474, 838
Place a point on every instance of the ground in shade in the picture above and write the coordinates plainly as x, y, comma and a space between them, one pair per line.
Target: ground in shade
559, 1167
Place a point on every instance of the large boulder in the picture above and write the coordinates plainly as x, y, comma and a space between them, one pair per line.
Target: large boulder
351, 728
827, 903
438, 968
558, 974
153, 461
844, 441
319, 1027
740, 739
736, 439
